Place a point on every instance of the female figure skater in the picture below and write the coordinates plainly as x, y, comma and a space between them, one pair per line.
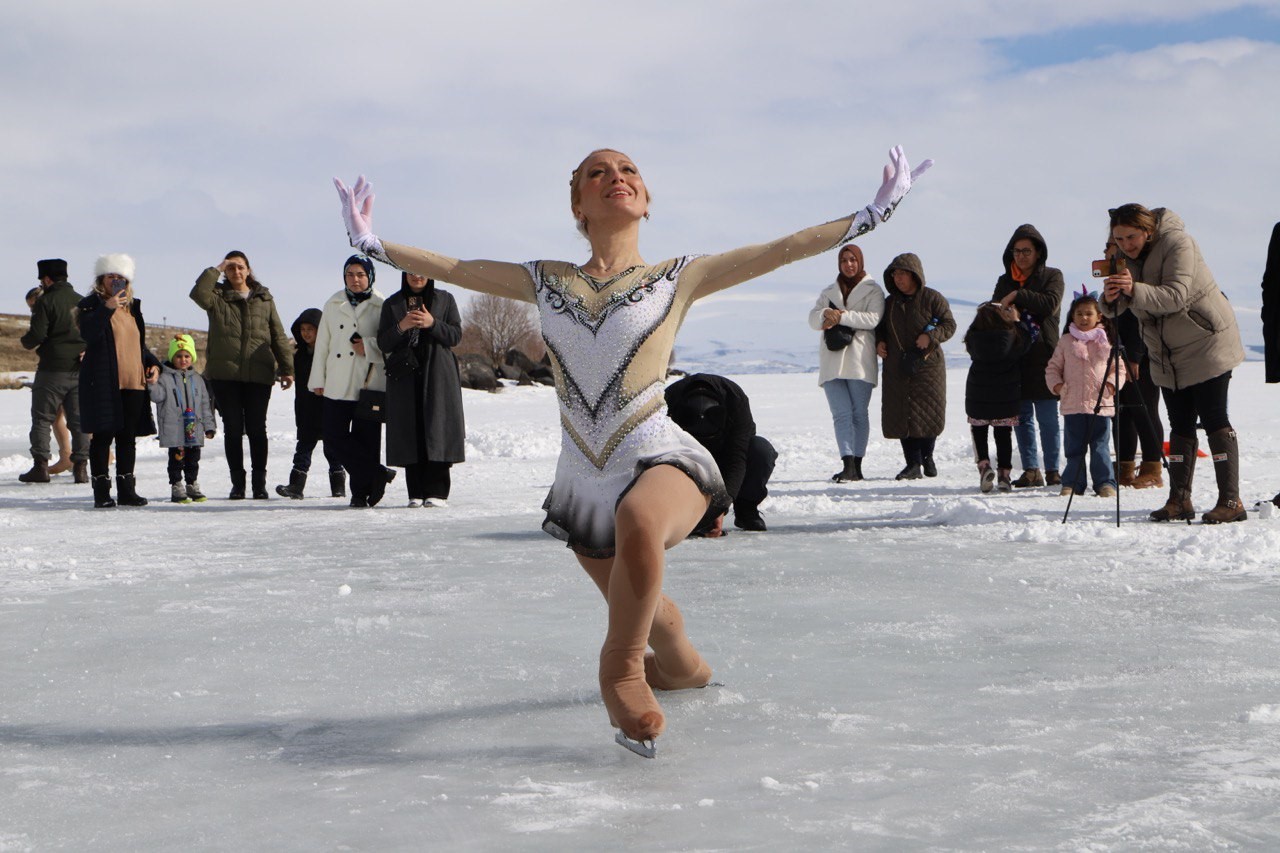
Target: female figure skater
629, 483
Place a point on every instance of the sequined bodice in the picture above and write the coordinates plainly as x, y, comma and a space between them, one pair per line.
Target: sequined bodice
610, 341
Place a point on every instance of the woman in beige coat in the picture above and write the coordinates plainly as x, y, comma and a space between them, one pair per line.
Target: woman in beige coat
1193, 344
852, 305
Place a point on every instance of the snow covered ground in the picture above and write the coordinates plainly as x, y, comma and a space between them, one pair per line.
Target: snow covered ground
905, 666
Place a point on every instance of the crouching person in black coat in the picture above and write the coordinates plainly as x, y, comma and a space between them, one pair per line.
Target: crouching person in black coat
716, 411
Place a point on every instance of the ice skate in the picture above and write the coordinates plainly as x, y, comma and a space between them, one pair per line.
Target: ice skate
660, 679
642, 748
632, 708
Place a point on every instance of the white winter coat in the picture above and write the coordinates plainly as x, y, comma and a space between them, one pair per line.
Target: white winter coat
336, 368
861, 312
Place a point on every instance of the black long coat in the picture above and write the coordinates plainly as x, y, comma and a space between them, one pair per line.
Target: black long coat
101, 407
1271, 307
443, 435
1039, 299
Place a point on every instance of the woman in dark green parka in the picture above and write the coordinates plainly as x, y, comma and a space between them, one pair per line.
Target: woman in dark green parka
248, 351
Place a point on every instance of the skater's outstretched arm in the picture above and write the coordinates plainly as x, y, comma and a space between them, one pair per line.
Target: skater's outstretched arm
496, 277
716, 272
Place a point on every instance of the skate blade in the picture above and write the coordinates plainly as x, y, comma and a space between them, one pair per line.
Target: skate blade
642, 748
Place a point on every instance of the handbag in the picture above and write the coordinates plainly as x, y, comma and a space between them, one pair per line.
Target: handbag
371, 404
837, 337
401, 362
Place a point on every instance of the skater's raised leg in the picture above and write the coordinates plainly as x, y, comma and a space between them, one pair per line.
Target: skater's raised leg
674, 663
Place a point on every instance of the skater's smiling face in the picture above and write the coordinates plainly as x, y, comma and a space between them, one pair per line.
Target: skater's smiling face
607, 186
308, 333
182, 359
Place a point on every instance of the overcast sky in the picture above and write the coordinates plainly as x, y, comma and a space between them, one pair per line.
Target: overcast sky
178, 131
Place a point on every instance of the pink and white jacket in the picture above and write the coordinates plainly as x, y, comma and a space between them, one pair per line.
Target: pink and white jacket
1079, 362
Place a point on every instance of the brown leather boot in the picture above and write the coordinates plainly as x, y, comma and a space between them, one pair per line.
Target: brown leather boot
1149, 476
1226, 468
1030, 478
1125, 473
39, 472
1182, 469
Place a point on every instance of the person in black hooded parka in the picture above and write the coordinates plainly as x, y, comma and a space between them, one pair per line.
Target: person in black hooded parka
716, 412
1271, 313
426, 432
1036, 290
308, 414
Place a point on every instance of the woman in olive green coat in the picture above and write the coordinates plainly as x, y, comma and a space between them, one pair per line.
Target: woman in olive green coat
248, 350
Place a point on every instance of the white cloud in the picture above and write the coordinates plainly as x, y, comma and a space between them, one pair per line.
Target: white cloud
177, 132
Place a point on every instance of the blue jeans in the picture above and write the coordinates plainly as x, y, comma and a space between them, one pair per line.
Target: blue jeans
1087, 432
1045, 412
850, 401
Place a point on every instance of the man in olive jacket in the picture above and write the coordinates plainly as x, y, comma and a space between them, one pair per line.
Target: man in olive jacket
56, 338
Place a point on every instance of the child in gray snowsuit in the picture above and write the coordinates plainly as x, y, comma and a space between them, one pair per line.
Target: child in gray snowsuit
184, 417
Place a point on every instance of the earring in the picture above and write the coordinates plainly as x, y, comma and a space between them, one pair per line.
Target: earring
646, 216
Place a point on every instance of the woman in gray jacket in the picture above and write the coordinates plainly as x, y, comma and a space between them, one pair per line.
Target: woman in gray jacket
1193, 344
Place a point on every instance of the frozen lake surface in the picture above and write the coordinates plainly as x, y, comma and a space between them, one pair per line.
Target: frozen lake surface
905, 666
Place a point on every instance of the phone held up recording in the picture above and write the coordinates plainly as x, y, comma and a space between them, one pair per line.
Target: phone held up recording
1108, 267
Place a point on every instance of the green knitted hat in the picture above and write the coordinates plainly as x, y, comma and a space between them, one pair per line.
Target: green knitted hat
182, 342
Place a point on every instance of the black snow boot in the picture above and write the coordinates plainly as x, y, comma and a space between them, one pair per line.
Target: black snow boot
1226, 467
260, 486
338, 484
237, 486
845, 474
128, 494
1182, 468
911, 472
102, 492
297, 482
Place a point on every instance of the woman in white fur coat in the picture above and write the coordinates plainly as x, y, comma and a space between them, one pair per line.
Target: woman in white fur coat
347, 359
851, 306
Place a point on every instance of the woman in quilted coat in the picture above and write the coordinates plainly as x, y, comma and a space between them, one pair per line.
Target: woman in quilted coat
917, 321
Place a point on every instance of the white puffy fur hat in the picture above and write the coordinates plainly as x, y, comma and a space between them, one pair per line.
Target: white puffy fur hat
118, 264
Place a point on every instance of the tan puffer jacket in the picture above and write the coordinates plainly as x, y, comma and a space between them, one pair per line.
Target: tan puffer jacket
1188, 325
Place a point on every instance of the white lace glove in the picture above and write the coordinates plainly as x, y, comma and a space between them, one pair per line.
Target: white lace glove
357, 214
897, 182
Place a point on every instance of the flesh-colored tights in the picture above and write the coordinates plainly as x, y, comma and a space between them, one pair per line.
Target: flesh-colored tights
659, 511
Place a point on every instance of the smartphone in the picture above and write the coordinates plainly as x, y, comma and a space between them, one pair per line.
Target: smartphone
1107, 267
118, 287
413, 302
